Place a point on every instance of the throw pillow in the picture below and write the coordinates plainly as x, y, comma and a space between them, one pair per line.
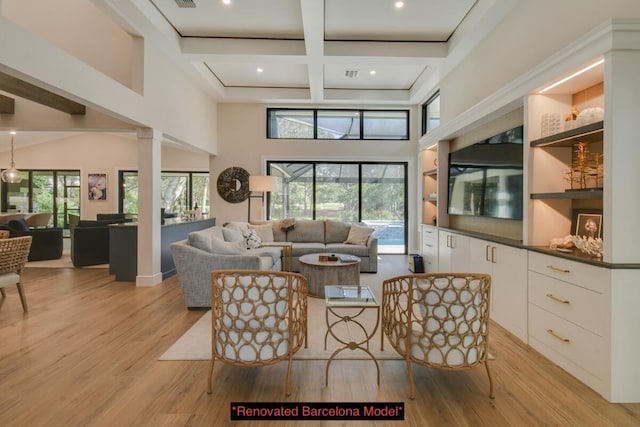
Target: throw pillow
287, 224
18, 224
200, 240
240, 226
264, 232
252, 240
220, 247
231, 235
358, 235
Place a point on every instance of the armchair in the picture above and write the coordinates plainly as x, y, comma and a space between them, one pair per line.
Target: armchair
258, 318
46, 243
13, 257
438, 320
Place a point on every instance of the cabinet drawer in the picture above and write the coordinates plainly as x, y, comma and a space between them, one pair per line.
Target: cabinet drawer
572, 343
588, 276
578, 305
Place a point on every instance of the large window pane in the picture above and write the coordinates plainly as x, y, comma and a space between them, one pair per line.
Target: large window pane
386, 124
200, 191
129, 199
384, 204
290, 124
179, 192
338, 124
294, 199
337, 191
431, 114
374, 193
175, 192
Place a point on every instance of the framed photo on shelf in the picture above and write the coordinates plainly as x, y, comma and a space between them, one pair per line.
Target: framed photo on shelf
587, 223
97, 185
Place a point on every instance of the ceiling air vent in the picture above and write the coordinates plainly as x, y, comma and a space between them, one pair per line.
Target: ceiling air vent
185, 3
351, 73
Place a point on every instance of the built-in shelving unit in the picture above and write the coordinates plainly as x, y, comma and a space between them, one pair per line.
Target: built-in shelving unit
588, 133
429, 186
553, 193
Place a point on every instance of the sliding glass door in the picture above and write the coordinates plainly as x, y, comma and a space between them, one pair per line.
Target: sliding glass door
369, 192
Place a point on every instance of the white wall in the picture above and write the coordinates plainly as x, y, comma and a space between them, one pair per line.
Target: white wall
99, 153
80, 29
170, 102
532, 32
243, 142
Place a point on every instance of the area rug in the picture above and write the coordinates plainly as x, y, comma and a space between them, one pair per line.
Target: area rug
195, 344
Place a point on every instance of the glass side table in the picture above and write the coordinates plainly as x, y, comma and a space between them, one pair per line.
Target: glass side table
358, 299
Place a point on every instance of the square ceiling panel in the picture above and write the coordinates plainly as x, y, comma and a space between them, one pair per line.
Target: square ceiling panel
385, 77
280, 19
423, 20
272, 75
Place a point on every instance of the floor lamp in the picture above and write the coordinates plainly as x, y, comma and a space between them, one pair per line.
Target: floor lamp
262, 185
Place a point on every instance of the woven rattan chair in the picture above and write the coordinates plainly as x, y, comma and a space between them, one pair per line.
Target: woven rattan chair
13, 256
438, 320
258, 318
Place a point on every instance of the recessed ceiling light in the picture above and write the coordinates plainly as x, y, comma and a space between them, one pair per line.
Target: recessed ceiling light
399, 4
227, 2
372, 72
259, 70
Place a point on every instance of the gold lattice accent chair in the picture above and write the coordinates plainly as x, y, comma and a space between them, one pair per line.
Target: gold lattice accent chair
438, 320
13, 256
258, 318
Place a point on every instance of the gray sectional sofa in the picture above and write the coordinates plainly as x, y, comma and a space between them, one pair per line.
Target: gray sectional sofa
219, 248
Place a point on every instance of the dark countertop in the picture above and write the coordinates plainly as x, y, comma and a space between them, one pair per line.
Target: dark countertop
575, 255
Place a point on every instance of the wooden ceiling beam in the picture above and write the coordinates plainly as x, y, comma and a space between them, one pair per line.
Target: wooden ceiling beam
41, 96
7, 105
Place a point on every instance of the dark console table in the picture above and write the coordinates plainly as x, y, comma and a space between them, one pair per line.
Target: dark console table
123, 247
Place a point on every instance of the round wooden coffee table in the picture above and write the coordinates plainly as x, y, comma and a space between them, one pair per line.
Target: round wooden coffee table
344, 271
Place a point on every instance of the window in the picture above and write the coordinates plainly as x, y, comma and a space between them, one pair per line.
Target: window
55, 191
370, 192
180, 191
337, 124
431, 113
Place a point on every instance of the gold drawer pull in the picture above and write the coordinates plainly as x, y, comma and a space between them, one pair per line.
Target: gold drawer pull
555, 298
561, 270
552, 333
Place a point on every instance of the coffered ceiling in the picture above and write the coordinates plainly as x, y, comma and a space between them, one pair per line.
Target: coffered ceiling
310, 51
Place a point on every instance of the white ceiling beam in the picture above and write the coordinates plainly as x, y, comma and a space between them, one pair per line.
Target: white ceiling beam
367, 95
271, 94
313, 27
204, 49
387, 50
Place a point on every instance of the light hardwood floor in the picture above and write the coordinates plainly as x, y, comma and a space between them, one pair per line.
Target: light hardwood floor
86, 355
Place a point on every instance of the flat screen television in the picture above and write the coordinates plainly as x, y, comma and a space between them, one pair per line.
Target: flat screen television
485, 179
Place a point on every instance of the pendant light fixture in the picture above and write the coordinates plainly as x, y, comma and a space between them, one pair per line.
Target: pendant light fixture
11, 175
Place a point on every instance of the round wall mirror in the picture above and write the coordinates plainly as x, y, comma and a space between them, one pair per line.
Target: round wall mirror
233, 184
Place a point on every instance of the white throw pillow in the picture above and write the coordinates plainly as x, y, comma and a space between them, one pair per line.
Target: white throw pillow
231, 235
252, 240
220, 247
358, 235
264, 232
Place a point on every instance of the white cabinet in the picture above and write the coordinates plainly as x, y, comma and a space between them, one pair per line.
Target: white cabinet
569, 317
429, 248
508, 269
453, 252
